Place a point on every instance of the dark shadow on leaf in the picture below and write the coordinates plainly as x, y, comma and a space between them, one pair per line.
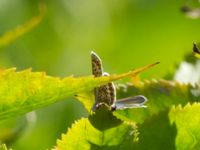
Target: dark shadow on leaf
157, 133
103, 119
96, 147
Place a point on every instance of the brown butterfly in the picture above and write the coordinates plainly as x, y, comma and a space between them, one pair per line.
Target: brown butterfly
106, 94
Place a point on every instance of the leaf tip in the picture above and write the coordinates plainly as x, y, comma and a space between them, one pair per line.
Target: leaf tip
139, 70
156, 63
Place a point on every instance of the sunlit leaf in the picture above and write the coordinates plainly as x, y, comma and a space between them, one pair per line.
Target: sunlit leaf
187, 122
100, 131
24, 91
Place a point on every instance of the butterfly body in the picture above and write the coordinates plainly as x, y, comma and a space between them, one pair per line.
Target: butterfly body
106, 94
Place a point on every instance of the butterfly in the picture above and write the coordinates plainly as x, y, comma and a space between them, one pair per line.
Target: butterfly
106, 94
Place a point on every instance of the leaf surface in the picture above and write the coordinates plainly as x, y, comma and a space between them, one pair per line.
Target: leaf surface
100, 131
187, 122
161, 95
24, 91
175, 129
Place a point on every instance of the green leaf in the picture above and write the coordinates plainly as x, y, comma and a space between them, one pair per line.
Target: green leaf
100, 131
187, 122
157, 133
175, 128
24, 91
161, 95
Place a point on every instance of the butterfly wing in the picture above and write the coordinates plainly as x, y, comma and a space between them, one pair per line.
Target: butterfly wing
110, 92
106, 93
131, 102
97, 69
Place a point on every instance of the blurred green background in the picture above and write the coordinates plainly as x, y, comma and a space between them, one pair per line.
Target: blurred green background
126, 34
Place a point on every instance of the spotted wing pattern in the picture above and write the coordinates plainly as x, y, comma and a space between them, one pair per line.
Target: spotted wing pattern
106, 93
97, 69
111, 91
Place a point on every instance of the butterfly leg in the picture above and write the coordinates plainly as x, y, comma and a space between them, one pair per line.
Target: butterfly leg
113, 107
99, 105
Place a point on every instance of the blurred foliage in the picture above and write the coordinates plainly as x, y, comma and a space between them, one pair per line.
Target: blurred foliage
3, 147
125, 34
11, 36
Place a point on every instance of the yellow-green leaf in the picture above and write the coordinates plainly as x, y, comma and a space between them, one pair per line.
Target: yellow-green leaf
100, 131
187, 122
24, 91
